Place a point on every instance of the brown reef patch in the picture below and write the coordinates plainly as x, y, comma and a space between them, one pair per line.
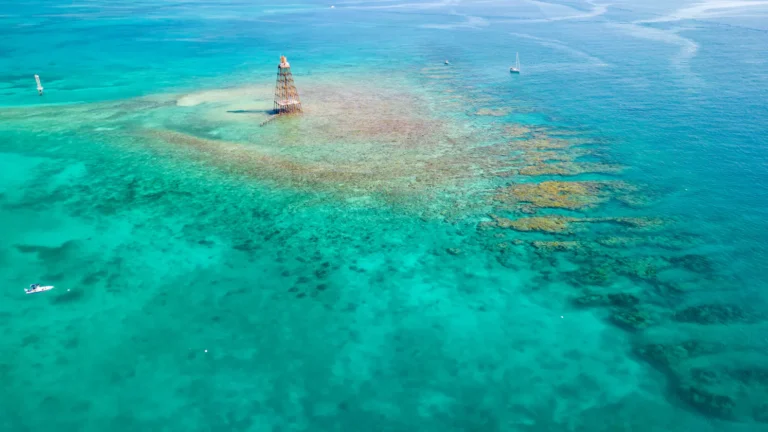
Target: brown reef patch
549, 224
559, 246
493, 112
569, 168
553, 194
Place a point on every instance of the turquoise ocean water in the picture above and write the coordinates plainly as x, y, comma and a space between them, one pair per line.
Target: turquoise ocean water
580, 247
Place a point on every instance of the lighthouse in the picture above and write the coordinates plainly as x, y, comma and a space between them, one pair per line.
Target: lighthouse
286, 96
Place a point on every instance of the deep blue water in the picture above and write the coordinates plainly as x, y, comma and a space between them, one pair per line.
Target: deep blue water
342, 270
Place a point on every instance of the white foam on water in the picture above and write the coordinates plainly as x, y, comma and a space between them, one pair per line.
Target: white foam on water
553, 13
472, 22
412, 6
561, 46
708, 9
687, 51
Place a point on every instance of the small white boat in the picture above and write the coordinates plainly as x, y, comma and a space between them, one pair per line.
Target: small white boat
447, 62
35, 288
516, 67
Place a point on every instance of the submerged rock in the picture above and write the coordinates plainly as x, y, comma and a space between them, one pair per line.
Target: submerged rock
591, 300
669, 355
623, 299
760, 413
508, 260
493, 112
663, 355
707, 402
517, 131
632, 319
712, 314
556, 245
709, 378
618, 299
704, 376
454, 251
694, 263
549, 224
593, 275
568, 168
751, 376
554, 194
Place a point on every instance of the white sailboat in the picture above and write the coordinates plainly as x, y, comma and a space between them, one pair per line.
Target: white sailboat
516, 67
39, 86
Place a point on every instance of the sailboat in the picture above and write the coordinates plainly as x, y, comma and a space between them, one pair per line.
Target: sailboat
516, 67
39, 86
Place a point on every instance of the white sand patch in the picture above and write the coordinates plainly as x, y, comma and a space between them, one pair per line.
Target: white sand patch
230, 95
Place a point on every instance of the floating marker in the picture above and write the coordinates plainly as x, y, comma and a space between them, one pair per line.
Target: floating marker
39, 86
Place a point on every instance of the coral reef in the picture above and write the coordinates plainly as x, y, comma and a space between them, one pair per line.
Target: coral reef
417, 158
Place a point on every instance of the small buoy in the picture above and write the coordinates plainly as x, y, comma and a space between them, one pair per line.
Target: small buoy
206, 350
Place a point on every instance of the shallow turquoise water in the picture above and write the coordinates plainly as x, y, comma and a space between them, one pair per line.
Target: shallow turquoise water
196, 293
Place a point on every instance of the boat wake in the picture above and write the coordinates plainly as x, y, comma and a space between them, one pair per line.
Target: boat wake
707, 9
563, 47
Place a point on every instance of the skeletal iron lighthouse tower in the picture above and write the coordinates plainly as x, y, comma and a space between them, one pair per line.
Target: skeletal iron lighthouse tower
286, 96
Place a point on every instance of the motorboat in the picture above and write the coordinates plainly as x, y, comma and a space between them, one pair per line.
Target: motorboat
37, 288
